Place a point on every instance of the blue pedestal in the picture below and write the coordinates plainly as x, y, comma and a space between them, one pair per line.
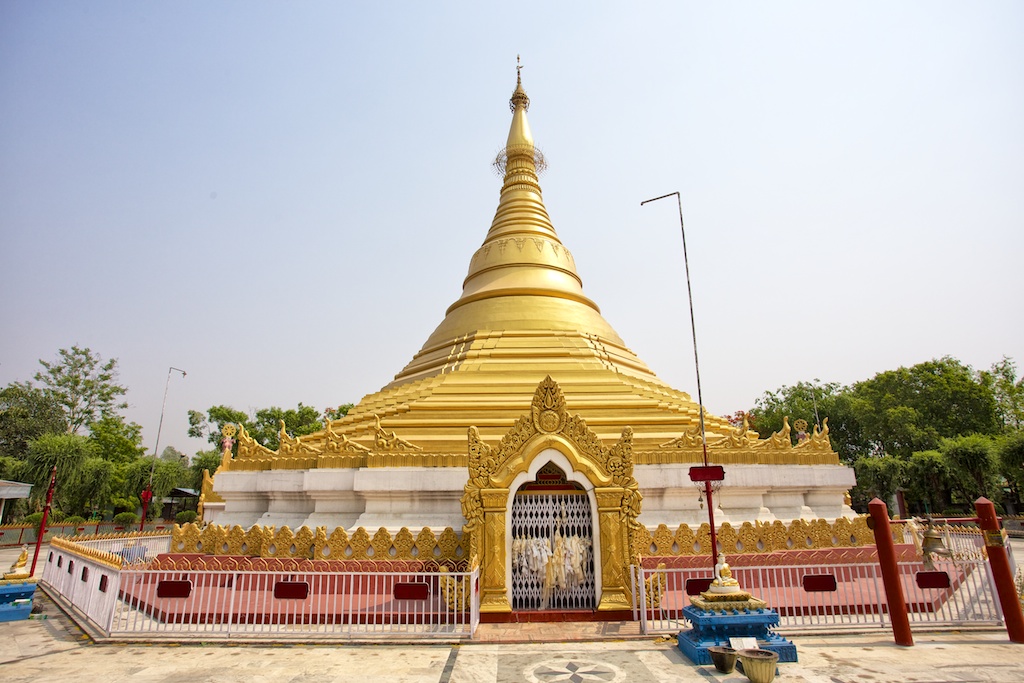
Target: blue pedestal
16, 600
711, 628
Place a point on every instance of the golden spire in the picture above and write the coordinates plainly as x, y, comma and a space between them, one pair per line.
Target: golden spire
521, 254
522, 280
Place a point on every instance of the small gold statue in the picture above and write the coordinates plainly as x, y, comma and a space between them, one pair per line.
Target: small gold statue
723, 575
19, 570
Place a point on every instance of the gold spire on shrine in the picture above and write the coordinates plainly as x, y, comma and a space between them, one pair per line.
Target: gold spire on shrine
521, 254
521, 284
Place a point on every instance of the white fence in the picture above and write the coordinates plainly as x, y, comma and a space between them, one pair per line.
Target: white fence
258, 605
834, 597
132, 549
82, 582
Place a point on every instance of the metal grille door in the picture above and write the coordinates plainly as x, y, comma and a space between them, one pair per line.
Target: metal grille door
552, 551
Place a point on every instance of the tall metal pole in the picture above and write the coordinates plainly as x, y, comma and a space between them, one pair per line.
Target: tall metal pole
147, 493
696, 362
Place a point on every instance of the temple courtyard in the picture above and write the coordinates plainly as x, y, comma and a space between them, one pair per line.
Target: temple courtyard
50, 646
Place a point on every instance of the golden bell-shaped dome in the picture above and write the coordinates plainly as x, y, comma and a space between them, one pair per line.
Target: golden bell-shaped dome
522, 282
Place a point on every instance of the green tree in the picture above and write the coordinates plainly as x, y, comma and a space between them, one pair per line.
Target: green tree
173, 454
69, 453
1008, 391
299, 421
166, 474
93, 489
812, 401
911, 409
26, 413
972, 465
203, 460
209, 426
339, 412
1010, 452
264, 426
83, 386
877, 477
927, 483
116, 440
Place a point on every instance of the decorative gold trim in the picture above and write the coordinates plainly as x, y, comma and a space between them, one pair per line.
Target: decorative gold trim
259, 541
94, 554
756, 537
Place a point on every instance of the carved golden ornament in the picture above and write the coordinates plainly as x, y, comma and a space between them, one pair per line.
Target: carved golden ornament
248, 447
819, 441
403, 544
727, 537
340, 443
663, 540
690, 438
424, 544
228, 431
655, 587
800, 425
456, 591
390, 441
779, 441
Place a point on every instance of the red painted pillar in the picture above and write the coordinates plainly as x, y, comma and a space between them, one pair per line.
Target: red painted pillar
890, 573
1000, 563
42, 522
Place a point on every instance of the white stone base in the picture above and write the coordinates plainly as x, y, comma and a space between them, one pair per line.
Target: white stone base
417, 497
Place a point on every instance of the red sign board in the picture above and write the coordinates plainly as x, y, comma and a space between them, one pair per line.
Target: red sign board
819, 583
291, 590
932, 579
707, 473
412, 591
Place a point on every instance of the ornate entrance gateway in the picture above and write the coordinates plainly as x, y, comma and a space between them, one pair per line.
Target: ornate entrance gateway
552, 545
496, 517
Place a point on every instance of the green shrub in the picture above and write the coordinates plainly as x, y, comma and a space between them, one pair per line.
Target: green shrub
33, 520
185, 516
73, 519
126, 518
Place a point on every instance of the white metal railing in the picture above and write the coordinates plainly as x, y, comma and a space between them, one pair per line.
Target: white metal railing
283, 605
131, 548
837, 596
291, 605
88, 585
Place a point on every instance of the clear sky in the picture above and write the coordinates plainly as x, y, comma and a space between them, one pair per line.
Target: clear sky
282, 198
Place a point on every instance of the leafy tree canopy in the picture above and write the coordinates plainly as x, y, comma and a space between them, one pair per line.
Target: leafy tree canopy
1008, 391
811, 401
203, 460
69, 453
83, 386
117, 440
26, 413
912, 409
264, 425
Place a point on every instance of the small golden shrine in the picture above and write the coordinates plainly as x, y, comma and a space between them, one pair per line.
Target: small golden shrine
526, 422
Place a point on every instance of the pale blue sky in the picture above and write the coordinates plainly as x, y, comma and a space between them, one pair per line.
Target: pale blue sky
282, 198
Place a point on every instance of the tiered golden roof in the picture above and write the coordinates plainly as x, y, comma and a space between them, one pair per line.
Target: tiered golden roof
522, 316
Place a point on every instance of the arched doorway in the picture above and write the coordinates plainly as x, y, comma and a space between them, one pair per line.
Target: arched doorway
552, 555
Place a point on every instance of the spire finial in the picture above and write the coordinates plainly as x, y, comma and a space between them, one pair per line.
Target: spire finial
519, 96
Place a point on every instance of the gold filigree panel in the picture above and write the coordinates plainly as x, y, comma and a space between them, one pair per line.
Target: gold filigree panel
756, 537
306, 543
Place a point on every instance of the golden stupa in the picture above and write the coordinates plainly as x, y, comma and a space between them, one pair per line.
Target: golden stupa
523, 380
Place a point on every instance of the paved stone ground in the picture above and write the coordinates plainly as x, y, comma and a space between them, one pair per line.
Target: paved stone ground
50, 647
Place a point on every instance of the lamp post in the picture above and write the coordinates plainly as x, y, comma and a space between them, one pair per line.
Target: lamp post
147, 493
707, 473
